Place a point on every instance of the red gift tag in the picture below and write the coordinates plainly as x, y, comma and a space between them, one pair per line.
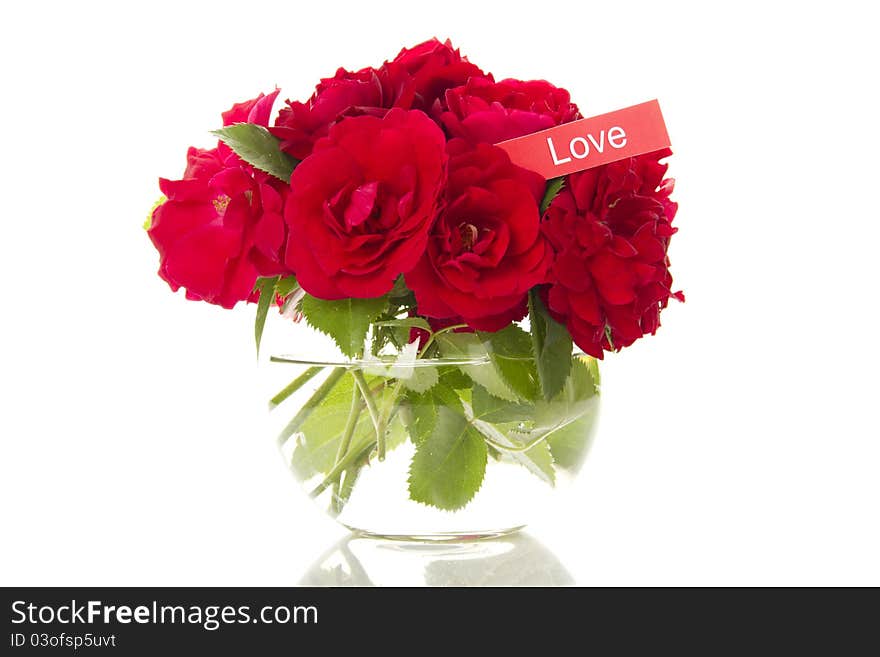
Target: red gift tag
591, 142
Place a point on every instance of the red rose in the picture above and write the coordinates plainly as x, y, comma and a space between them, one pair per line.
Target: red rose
362, 203
415, 79
204, 230
300, 125
270, 232
610, 228
256, 111
483, 110
419, 76
486, 249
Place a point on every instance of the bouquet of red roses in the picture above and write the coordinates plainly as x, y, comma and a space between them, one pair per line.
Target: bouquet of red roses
383, 212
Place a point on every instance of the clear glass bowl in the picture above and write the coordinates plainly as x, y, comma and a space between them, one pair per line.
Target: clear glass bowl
515, 560
433, 450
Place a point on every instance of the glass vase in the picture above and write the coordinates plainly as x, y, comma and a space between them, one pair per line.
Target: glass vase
432, 449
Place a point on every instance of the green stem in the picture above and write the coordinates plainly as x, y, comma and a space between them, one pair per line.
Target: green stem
353, 414
433, 335
346, 459
313, 402
385, 418
380, 422
339, 468
294, 385
349, 477
368, 397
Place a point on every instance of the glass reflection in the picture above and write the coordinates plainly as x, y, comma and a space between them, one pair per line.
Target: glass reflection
515, 560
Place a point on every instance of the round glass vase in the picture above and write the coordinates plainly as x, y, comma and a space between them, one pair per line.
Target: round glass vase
433, 449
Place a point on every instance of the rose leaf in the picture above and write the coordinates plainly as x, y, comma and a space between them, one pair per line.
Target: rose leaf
258, 147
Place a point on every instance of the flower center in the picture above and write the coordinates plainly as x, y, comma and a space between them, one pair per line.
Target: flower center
469, 235
220, 203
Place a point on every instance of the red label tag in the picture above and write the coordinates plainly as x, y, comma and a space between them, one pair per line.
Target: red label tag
592, 142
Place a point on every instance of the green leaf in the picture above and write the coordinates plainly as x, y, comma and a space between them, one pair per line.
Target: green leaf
572, 401
592, 366
286, 286
574, 411
259, 148
421, 379
565, 423
570, 444
453, 377
445, 395
421, 409
407, 322
394, 330
494, 410
401, 295
149, 221
448, 467
382, 336
537, 459
552, 345
345, 320
321, 433
266, 288
419, 413
554, 186
469, 346
400, 289
510, 350
397, 432
559, 430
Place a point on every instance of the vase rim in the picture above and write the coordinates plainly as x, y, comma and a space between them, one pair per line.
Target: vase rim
380, 361
392, 361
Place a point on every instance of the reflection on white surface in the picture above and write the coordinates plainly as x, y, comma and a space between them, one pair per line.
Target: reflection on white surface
516, 560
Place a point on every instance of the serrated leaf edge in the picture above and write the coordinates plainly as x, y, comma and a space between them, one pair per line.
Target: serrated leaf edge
468, 425
554, 186
342, 348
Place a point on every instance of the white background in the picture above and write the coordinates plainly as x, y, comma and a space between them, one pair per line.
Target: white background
738, 446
